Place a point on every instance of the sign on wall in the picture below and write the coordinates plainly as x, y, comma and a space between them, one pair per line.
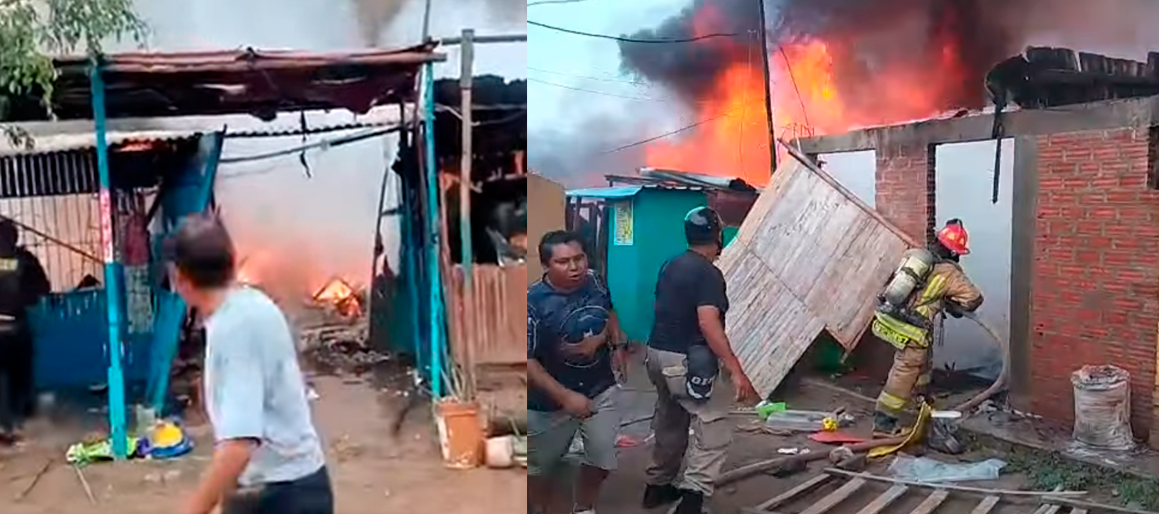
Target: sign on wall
623, 224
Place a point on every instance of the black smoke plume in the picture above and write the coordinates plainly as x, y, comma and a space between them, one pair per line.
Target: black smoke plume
866, 38
863, 36
691, 69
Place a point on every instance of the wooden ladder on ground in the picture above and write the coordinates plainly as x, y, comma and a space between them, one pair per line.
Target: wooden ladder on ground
1057, 502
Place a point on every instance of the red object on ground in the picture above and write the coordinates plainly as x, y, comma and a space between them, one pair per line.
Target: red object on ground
624, 441
836, 438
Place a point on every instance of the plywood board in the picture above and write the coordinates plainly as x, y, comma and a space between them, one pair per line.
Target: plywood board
809, 257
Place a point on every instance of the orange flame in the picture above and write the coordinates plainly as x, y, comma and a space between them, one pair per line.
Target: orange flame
807, 100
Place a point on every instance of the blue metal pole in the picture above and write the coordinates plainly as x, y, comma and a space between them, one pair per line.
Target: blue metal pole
112, 276
436, 332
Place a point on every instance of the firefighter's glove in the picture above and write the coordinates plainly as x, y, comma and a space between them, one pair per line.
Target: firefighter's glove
954, 310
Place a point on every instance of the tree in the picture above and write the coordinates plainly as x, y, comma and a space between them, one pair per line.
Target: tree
32, 31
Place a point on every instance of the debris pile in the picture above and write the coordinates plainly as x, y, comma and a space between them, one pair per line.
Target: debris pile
340, 348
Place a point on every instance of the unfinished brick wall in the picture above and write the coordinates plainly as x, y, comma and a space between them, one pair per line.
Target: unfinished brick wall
1095, 283
905, 188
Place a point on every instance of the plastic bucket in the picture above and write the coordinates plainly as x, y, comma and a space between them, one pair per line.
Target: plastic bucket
1102, 407
500, 452
460, 433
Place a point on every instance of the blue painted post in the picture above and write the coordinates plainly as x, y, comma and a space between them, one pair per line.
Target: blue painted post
432, 172
116, 377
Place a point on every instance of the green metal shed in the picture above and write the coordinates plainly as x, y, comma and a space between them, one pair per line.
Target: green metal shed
646, 228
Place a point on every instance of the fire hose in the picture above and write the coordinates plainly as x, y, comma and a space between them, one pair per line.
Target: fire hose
842, 452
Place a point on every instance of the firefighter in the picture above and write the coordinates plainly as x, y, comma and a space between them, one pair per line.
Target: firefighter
926, 284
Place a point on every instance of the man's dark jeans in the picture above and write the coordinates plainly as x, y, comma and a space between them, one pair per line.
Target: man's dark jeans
307, 495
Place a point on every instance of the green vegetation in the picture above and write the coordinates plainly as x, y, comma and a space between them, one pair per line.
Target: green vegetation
1047, 471
31, 31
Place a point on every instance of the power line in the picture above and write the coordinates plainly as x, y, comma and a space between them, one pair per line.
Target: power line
625, 39
593, 91
602, 79
789, 67
545, 2
325, 144
666, 134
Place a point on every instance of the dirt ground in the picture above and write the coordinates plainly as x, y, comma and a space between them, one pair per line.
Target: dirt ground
622, 492
372, 472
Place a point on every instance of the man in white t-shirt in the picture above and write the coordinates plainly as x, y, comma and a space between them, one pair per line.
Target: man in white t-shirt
267, 458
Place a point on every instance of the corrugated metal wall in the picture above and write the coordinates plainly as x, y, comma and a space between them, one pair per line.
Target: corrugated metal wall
55, 195
497, 334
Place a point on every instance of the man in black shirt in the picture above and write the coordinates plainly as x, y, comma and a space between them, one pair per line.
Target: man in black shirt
686, 349
571, 333
22, 284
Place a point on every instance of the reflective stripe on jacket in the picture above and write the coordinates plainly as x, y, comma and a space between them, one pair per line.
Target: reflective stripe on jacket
946, 281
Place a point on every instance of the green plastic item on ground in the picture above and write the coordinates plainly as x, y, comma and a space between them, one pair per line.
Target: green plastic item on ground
81, 454
766, 409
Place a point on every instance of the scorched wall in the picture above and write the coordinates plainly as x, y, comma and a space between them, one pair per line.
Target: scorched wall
1094, 278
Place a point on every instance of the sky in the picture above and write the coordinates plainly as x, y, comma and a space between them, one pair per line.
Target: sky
588, 63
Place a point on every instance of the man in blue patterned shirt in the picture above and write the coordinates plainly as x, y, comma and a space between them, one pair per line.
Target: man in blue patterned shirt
572, 336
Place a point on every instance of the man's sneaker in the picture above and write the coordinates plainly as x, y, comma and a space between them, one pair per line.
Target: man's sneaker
657, 495
690, 503
588, 511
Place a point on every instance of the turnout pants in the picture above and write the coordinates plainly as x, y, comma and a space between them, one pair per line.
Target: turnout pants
909, 376
703, 452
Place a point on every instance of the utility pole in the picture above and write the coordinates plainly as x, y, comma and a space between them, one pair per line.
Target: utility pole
768, 84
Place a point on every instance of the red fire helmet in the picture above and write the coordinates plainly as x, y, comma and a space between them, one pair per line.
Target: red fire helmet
954, 237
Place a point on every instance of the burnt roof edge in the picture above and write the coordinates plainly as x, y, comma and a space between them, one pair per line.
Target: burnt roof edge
1111, 114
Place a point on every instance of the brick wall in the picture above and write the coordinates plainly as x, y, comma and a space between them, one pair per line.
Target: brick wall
1095, 284
905, 188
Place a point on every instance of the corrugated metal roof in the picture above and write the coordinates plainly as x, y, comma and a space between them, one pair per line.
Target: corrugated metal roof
614, 193
46, 144
809, 257
144, 84
248, 59
49, 137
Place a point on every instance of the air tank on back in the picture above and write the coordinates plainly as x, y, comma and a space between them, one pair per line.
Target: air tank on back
915, 265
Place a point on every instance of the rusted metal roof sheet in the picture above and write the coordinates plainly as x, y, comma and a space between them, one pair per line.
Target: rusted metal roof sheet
809, 257
250, 81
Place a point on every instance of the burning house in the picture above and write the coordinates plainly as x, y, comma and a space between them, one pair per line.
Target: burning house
1083, 129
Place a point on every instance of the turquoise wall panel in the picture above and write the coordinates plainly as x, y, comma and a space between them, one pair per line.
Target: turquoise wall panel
639, 245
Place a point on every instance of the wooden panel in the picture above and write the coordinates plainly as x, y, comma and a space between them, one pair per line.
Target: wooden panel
841, 494
794, 493
885, 500
933, 501
807, 258
987, 505
772, 329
